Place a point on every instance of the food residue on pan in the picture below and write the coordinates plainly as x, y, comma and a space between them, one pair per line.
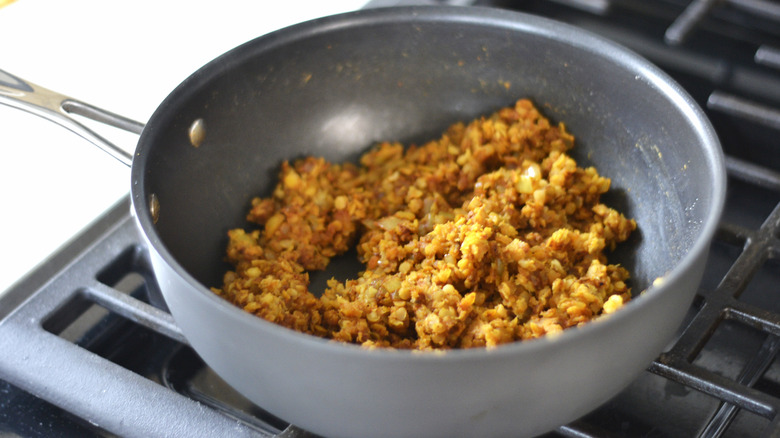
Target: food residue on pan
487, 235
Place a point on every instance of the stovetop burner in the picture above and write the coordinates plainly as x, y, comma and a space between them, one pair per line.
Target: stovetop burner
89, 351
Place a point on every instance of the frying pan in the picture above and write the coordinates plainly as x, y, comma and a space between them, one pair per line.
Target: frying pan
332, 87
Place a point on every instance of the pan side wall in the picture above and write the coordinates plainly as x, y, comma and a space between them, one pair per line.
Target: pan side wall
346, 392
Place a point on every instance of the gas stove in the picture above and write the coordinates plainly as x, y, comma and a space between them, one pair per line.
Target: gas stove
88, 350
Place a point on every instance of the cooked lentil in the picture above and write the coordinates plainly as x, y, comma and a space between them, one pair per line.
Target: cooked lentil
489, 234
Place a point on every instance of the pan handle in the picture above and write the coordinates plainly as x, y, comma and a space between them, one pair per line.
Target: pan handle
60, 109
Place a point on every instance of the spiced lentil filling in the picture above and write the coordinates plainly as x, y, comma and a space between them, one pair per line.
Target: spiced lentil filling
489, 234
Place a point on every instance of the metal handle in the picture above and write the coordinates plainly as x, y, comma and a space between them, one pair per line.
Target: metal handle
58, 108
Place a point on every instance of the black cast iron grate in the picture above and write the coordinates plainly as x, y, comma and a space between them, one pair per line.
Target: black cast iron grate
87, 351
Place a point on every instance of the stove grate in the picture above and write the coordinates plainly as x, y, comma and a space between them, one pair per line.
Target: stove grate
121, 364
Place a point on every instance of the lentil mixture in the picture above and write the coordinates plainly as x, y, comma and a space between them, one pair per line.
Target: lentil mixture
489, 234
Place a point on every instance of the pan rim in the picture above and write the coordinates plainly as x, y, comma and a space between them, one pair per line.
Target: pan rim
510, 20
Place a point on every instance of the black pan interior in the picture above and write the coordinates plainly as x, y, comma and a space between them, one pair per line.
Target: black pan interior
335, 87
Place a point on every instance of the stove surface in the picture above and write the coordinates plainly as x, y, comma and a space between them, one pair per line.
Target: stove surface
125, 59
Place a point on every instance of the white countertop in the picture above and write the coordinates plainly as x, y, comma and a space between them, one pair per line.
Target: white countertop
121, 56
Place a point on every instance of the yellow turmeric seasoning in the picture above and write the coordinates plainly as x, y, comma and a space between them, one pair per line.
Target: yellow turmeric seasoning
489, 234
